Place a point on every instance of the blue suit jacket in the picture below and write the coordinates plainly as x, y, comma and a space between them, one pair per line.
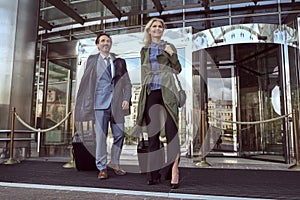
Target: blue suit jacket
98, 91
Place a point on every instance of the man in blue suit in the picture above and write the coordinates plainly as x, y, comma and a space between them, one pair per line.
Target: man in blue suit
104, 97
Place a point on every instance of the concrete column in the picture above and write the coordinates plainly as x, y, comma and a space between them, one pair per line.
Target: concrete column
18, 33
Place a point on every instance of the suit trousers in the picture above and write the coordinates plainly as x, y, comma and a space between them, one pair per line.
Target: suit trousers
103, 119
158, 119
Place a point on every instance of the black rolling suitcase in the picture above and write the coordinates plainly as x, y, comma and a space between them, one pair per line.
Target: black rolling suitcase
142, 152
84, 160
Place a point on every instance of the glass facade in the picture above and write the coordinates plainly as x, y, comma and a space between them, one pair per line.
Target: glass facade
241, 67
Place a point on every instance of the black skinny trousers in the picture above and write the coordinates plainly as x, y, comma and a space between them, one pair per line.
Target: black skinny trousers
157, 119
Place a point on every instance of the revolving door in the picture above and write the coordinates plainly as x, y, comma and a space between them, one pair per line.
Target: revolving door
250, 96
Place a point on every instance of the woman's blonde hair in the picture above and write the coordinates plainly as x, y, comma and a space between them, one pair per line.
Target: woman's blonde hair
147, 37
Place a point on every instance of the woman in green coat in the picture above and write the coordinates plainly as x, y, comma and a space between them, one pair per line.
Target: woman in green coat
158, 103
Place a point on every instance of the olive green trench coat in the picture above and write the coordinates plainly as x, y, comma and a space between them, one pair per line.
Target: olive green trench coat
168, 66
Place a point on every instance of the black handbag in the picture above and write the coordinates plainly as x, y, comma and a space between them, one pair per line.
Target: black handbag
181, 93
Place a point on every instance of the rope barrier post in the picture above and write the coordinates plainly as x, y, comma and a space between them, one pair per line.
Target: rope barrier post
71, 163
39, 130
38, 140
296, 165
11, 160
203, 162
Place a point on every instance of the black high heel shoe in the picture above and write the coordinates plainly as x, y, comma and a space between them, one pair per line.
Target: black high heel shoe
175, 185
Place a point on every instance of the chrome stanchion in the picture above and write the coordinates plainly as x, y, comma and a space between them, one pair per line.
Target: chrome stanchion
203, 162
38, 140
11, 160
71, 163
296, 166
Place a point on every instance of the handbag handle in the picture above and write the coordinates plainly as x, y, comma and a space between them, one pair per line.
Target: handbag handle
178, 81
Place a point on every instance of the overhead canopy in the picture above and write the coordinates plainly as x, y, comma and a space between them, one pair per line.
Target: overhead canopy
83, 17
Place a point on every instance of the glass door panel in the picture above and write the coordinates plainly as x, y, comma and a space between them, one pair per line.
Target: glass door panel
55, 94
258, 69
220, 107
244, 85
56, 102
221, 98
55, 142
